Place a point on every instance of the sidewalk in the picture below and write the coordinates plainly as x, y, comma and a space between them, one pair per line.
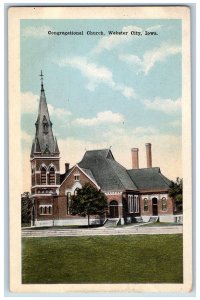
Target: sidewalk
28, 232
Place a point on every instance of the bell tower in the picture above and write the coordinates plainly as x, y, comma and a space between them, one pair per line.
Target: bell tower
45, 155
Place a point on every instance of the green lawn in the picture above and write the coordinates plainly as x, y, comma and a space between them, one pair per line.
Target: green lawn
103, 259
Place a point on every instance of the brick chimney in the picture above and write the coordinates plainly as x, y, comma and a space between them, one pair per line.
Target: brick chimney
135, 158
149, 156
66, 167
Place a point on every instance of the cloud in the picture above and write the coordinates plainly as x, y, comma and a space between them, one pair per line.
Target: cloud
27, 138
150, 58
145, 131
96, 75
58, 112
101, 118
30, 104
154, 28
112, 41
36, 32
167, 106
166, 150
176, 123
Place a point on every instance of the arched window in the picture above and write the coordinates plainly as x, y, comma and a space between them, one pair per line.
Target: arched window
52, 176
146, 208
164, 204
45, 209
43, 176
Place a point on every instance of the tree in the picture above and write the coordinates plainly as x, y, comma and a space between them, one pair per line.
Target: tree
88, 201
176, 191
25, 208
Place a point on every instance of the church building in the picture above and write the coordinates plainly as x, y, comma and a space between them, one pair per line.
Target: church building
131, 194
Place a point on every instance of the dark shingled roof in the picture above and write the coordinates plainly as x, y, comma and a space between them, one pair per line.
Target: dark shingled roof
63, 176
108, 173
149, 178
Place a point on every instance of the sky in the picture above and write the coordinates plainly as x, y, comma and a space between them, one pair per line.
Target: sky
118, 91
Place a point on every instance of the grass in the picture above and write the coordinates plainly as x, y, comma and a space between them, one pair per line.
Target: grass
25, 224
103, 259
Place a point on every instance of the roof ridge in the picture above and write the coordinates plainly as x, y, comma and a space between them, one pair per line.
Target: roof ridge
143, 168
97, 150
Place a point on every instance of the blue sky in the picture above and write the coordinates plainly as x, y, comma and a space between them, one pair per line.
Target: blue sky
102, 91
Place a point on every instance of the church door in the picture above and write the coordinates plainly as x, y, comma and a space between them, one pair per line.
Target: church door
114, 209
155, 206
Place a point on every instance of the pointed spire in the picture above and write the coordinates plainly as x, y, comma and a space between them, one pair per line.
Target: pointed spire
44, 142
41, 78
56, 150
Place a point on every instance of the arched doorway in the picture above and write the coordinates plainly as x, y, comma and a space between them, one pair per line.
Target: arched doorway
155, 206
114, 209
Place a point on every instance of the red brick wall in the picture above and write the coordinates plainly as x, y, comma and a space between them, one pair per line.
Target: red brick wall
70, 181
117, 198
160, 211
38, 162
149, 211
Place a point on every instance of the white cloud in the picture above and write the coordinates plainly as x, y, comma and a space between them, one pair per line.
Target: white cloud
112, 41
101, 118
167, 106
36, 32
145, 131
176, 123
166, 150
154, 28
26, 137
58, 112
147, 62
30, 104
96, 75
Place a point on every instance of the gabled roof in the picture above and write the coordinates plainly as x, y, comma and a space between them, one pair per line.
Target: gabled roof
108, 173
86, 172
149, 178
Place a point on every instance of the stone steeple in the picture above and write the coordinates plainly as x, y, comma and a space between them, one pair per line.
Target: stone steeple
44, 143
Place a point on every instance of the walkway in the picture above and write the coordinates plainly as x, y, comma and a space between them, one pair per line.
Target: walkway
51, 232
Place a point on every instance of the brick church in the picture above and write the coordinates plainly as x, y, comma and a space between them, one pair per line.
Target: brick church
130, 193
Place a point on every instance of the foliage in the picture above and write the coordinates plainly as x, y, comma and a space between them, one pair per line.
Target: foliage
88, 201
103, 259
176, 191
25, 208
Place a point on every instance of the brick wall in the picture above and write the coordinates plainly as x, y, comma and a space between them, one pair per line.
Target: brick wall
70, 181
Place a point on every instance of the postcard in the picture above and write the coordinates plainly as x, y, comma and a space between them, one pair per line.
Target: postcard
100, 149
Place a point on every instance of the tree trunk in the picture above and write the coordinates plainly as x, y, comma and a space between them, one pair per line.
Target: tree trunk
88, 221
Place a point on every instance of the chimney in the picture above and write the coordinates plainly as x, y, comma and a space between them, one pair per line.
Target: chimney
135, 158
149, 156
66, 167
